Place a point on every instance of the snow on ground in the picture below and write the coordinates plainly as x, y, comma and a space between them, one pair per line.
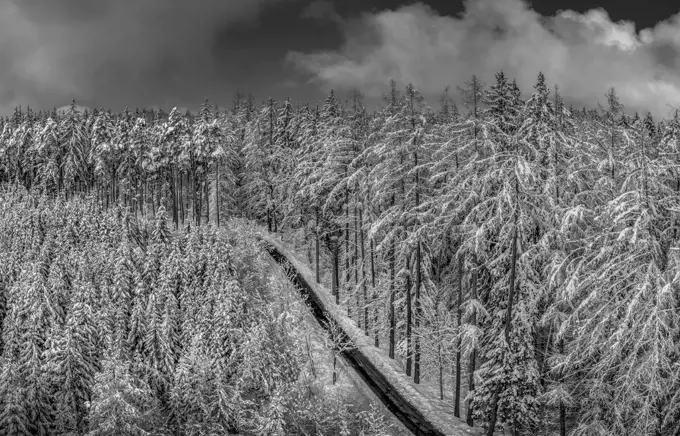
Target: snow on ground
425, 399
349, 385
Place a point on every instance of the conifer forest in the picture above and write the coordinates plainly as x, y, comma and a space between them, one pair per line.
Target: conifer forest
519, 256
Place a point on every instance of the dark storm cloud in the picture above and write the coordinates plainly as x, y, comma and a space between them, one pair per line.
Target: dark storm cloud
585, 53
322, 10
114, 52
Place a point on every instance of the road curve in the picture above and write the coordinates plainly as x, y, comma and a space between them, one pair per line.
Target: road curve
411, 417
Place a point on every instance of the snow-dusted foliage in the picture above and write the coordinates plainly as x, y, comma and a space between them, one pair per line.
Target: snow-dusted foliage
521, 256
113, 326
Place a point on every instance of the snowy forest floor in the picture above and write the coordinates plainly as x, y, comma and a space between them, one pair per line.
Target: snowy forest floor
424, 396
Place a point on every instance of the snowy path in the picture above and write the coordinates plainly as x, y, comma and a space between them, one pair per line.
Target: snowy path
422, 415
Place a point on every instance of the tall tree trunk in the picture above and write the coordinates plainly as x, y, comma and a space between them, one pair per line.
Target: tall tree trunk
276, 219
153, 199
416, 368
441, 370
144, 194
199, 209
363, 268
416, 357
409, 355
114, 193
269, 219
159, 193
207, 199
355, 266
473, 352
173, 188
393, 321
334, 266
456, 405
181, 197
374, 298
563, 412
217, 193
347, 276
316, 243
336, 270
192, 189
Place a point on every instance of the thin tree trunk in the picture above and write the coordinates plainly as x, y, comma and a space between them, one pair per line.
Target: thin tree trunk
269, 220
199, 209
409, 355
192, 182
355, 266
217, 194
347, 277
316, 243
416, 357
416, 369
473, 352
563, 412
144, 194
173, 188
363, 268
181, 197
335, 374
374, 298
153, 199
334, 266
393, 321
336, 272
276, 220
456, 406
207, 199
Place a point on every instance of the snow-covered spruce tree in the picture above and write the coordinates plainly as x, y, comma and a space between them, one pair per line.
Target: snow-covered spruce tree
76, 169
121, 404
26, 330
506, 220
48, 157
21, 149
70, 364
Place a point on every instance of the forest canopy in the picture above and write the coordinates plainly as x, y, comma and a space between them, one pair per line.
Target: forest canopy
528, 248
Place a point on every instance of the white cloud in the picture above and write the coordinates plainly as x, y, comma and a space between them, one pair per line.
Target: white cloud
584, 54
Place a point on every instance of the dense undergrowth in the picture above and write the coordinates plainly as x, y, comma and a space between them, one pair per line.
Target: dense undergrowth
114, 326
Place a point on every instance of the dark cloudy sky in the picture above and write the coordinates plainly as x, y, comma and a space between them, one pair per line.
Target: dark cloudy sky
143, 53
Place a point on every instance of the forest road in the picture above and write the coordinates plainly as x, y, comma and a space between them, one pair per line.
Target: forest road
376, 381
